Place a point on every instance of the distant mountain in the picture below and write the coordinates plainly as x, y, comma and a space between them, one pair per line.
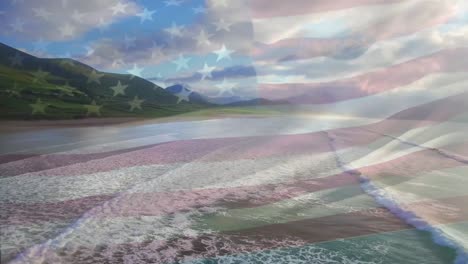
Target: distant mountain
258, 101
32, 87
181, 90
178, 89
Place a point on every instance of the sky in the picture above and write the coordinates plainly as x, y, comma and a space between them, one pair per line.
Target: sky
202, 44
249, 48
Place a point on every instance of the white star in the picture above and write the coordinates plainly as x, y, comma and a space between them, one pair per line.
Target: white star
38, 107
183, 95
226, 86
95, 77
119, 8
135, 103
16, 91
223, 53
93, 108
67, 30
203, 38
67, 61
206, 72
199, 10
40, 76
222, 25
103, 25
146, 15
119, 89
173, 2
175, 30
181, 62
77, 16
18, 25
16, 60
89, 51
129, 42
42, 13
156, 51
117, 62
136, 71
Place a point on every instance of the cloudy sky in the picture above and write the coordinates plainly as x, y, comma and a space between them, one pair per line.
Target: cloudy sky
274, 49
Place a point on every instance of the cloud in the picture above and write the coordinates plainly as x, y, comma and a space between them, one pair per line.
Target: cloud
238, 71
62, 20
149, 48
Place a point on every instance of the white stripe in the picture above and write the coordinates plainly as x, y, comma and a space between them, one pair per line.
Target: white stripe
340, 23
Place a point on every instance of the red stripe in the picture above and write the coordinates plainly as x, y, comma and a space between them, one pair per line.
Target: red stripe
369, 83
291, 234
238, 148
405, 167
294, 48
274, 8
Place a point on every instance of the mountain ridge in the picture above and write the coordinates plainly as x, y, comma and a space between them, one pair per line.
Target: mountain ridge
56, 88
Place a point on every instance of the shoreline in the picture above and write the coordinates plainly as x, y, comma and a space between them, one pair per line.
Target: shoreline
9, 126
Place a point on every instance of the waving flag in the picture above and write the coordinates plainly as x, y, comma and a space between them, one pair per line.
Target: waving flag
365, 163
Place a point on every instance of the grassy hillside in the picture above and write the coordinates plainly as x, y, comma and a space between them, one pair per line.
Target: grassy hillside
35, 88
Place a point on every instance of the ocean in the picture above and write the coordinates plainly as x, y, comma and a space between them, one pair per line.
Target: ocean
283, 189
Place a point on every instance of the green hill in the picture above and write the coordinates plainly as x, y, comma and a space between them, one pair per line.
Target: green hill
37, 88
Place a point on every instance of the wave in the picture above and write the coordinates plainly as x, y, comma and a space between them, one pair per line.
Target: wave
440, 235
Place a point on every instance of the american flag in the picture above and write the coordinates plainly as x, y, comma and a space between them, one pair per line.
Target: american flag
377, 146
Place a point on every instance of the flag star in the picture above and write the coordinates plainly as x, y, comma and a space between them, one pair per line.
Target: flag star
181, 62
95, 77
16, 91
136, 71
146, 15
135, 103
129, 42
203, 38
173, 2
219, 3
183, 95
93, 108
67, 90
222, 25
16, 60
119, 8
42, 13
119, 89
67, 30
89, 51
199, 10
206, 72
223, 53
38, 107
67, 61
77, 16
117, 62
156, 51
18, 25
67, 86
225, 86
175, 30
103, 25
40, 75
